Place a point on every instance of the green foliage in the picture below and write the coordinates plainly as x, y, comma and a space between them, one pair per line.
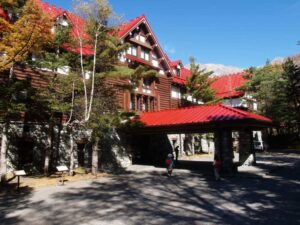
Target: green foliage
198, 84
18, 96
276, 88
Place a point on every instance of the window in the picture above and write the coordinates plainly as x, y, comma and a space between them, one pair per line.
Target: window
132, 50
152, 104
132, 102
145, 54
154, 56
147, 82
177, 72
175, 92
142, 38
145, 104
129, 51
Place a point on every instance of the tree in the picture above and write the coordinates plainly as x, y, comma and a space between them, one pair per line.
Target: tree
291, 77
276, 89
100, 111
198, 84
28, 33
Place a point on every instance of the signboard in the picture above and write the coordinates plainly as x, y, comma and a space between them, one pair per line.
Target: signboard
62, 168
20, 173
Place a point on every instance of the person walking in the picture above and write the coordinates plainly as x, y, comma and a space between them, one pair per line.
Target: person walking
169, 164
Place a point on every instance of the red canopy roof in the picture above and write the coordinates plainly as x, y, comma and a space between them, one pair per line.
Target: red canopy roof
225, 86
199, 115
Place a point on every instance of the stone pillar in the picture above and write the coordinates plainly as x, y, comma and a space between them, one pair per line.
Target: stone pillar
227, 151
246, 151
223, 149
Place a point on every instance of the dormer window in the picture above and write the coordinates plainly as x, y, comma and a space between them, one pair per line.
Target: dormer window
142, 38
62, 21
139, 37
177, 72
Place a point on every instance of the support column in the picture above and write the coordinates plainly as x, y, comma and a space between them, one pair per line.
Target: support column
246, 151
224, 150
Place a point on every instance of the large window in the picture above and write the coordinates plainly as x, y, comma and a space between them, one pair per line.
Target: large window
175, 92
132, 50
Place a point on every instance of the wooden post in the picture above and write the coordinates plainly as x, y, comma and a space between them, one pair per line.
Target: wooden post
18, 182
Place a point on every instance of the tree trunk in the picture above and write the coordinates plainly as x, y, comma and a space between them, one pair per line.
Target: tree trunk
48, 152
71, 171
3, 155
95, 156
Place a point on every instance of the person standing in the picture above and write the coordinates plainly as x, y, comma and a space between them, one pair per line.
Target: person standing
217, 167
176, 150
169, 164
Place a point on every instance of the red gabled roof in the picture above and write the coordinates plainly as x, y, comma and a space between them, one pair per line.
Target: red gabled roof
126, 27
225, 86
199, 115
51, 11
78, 26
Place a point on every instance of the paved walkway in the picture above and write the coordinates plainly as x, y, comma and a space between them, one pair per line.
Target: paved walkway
268, 195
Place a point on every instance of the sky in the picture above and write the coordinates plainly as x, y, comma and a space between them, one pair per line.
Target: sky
239, 33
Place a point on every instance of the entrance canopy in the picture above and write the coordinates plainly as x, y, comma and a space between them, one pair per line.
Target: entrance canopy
203, 118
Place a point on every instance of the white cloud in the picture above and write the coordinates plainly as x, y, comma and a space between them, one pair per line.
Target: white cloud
169, 50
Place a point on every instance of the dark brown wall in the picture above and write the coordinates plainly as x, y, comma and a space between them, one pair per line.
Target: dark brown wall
123, 96
164, 90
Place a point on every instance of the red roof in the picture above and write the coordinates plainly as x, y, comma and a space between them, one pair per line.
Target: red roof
3, 14
184, 74
175, 63
124, 28
225, 86
127, 27
199, 115
78, 26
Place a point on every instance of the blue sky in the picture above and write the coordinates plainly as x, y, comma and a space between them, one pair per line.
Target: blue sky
239, 33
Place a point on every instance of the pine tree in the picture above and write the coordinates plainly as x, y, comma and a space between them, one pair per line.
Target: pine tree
291, 76
198, 84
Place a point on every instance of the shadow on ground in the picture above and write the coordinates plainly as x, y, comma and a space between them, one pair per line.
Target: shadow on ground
12, 200
150, 197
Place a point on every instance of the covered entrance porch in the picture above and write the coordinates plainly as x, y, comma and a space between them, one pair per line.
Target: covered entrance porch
151, 142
